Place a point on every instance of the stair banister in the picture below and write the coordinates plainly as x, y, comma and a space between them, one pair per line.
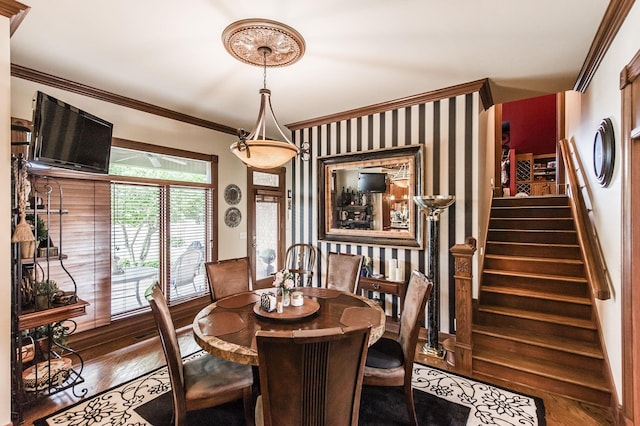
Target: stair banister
463, 275
594, 263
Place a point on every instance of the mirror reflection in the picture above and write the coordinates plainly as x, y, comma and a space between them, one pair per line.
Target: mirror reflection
373, 198
368, 197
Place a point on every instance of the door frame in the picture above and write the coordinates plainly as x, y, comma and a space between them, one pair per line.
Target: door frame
252, 191
630, 87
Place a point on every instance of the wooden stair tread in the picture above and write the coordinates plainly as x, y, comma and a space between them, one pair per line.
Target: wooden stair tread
534, 231
546, 341
541, 219
536, 294
542, 206
560, 198
542, 368
539, 316
534, 259
518, 243
536, 275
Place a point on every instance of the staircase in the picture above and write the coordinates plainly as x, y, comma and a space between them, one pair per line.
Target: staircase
535, 323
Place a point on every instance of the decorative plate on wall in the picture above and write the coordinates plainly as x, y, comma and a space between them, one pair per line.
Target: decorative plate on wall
232, 217
604, 154
232, 194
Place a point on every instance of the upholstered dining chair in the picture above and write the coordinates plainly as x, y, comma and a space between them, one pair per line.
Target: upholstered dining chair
202, 382
300, 260
343, 271
306, 379
227, 277
390, 361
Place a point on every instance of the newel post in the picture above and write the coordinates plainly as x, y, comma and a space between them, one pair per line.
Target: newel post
463, 274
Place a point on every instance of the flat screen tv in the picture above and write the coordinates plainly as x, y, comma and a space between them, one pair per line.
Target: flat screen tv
67, 137
372, 182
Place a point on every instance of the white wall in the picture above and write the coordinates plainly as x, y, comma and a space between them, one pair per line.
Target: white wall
148, 128
603, 100
5, 224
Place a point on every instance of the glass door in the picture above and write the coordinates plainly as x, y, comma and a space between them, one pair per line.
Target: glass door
266, 225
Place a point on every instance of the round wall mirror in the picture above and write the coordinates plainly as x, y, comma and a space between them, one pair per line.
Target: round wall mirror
604, 152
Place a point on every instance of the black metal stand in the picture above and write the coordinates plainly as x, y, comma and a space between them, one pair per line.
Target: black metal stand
432, 206
432, 347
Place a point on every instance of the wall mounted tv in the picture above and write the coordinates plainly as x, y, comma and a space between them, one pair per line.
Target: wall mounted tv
372, 182
67, 137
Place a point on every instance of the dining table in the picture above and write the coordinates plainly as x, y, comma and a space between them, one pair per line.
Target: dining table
227, 327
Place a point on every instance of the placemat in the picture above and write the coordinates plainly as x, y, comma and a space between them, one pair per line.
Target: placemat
220, 323
360, 317
238, 300
323, 293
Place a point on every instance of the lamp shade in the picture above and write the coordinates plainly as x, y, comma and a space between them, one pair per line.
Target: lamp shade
264, 154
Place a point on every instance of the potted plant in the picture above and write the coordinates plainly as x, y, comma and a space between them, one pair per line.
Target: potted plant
44, 293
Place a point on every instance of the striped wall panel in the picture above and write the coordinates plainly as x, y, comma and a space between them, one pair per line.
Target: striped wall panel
448, 129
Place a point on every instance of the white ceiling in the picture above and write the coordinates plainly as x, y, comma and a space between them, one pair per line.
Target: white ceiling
358, 52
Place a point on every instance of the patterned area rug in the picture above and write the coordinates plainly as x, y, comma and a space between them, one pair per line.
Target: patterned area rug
442, 398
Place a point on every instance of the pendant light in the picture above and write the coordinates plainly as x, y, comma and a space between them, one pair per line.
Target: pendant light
268, 44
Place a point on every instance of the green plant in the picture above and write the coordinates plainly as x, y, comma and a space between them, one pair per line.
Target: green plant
58, 332
46, 287
41, 230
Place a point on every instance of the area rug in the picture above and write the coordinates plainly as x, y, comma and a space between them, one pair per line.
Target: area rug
442, 398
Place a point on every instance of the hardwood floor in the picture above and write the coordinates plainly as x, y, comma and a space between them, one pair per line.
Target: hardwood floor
105, 370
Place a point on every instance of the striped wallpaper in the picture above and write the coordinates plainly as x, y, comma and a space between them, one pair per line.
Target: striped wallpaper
448, 129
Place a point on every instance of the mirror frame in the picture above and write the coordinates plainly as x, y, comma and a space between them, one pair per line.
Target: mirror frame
413, 238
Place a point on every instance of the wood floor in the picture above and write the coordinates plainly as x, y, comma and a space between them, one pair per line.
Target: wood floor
116, 365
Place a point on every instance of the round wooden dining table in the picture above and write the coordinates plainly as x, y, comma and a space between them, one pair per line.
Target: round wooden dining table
227, 327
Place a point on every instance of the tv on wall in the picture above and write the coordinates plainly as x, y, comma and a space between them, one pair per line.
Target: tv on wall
67, 137
372, 182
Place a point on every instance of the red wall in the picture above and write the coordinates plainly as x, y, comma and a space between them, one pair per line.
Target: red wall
533, 124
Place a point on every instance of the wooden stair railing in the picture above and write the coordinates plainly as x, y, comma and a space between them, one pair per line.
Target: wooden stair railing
594, 263
462, 254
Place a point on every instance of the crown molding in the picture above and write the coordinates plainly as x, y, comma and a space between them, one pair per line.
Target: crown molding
15, 11
614, 16
481, 86
91, 92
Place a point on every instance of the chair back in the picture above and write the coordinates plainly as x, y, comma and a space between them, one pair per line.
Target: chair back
418, 291
227, 277
343, 271
171, 349
306, 377
186, 267
300, 260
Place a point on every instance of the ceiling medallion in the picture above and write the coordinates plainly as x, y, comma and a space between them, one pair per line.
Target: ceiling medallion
243, 38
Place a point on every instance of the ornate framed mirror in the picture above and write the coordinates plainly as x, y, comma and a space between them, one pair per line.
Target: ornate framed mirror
367, 198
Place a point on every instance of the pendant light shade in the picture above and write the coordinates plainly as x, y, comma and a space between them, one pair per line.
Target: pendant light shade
255, 149
266, 43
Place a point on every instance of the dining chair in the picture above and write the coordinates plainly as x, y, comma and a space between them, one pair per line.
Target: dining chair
343, 271
202, 382
306, 379
390, 360
300, 260
227, 277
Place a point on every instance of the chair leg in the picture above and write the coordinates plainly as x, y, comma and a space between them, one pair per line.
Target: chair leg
411, 407
247, 400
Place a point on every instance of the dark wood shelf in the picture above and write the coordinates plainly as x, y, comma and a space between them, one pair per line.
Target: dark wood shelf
55, 314
29, 260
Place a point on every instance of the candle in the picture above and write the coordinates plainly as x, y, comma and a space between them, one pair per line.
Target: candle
392, 267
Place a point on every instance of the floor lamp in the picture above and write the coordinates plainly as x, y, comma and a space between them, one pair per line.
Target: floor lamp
432, 206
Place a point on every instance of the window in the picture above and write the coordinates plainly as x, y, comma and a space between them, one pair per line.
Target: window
135, 244
161, 227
